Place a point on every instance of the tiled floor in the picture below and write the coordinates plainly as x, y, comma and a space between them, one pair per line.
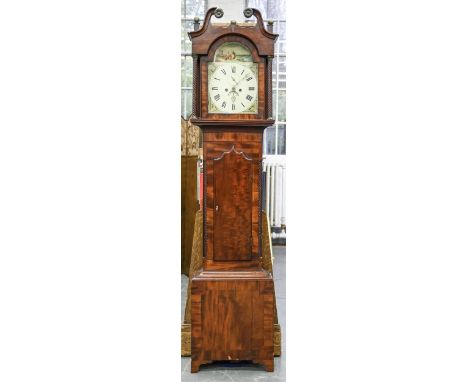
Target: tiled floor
246, 372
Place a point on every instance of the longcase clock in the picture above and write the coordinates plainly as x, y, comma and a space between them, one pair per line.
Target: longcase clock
232, 296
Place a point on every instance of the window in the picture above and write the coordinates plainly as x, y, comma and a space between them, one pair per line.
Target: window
189, 10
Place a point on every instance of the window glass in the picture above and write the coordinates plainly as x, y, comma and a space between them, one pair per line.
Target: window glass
189, 10
269, 140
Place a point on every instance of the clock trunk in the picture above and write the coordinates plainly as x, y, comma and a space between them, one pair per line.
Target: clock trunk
232, 225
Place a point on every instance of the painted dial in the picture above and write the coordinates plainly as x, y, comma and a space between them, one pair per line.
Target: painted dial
233, 88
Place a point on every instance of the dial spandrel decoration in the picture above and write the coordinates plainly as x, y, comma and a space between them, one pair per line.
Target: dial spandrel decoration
232, 81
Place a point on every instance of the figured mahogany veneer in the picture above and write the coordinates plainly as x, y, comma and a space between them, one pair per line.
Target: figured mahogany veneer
232, 169
232, 318
232, 297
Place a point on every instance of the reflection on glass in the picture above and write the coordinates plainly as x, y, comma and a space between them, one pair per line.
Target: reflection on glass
281, 116
281, 140
270, 138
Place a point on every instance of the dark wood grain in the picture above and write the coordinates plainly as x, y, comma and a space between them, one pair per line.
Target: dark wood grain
232, 232
247, 148
232, 295
196, 267
232, 318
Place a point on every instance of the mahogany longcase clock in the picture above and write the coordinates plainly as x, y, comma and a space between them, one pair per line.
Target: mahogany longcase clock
232, 296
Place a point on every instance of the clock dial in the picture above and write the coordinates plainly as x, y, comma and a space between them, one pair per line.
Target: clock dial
232, 88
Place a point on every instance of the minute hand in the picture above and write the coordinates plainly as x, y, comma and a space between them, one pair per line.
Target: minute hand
243, 78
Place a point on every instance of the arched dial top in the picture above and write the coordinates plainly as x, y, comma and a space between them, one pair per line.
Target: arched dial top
233, 81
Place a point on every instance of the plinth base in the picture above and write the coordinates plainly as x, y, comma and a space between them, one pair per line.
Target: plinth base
232, 317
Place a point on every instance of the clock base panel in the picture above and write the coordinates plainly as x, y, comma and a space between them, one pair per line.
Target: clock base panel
232, 319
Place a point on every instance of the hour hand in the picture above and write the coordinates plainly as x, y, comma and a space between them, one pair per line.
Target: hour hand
242, 79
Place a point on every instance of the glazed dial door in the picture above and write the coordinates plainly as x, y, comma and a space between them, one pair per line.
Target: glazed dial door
232, 88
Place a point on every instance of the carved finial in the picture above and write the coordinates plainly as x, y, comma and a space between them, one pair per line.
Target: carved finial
270, 25
248, 12
219, 13
196, 23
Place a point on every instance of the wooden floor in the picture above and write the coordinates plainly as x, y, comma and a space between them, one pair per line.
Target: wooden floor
244, 372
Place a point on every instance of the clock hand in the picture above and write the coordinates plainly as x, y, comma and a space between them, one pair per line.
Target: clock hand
237, 83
